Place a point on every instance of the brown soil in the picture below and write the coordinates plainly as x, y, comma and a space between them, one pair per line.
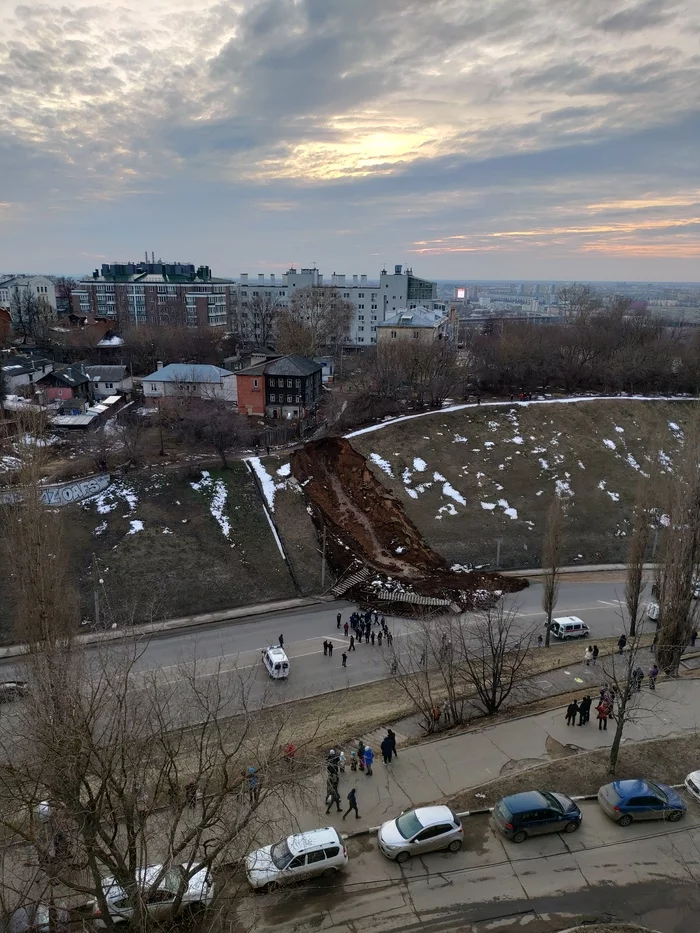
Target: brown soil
369, 525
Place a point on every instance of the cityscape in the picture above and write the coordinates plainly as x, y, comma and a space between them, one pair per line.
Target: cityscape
350, 467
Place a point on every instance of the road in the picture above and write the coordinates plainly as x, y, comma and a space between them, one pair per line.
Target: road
235, 648
647, 872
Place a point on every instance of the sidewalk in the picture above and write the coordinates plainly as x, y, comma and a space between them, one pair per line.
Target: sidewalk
442, 767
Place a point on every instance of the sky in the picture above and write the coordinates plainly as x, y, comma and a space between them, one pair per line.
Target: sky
470, 139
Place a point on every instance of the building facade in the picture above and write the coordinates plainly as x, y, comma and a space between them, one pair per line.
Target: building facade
288, 388
137, 294
417, 326
21, 286
191, 380
373, 301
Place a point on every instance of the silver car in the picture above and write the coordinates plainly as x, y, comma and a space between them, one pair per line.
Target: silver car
425, 829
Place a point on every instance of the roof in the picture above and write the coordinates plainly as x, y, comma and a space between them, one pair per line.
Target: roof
292, 365
188, 372
257, 370
72, 375
277, 654
299, 842
106, 373
414, 318
527, 800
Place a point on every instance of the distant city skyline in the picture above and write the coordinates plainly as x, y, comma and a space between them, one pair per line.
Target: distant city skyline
493, 140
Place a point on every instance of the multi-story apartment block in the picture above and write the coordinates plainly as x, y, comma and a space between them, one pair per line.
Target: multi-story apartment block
373, 301
133, 294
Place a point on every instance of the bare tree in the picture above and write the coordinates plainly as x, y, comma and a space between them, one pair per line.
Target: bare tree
263, 310
551, 560
623, 675
325, 314
214, 424
130, 434
638, 543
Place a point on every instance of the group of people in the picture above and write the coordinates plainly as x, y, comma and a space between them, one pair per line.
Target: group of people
361, 759
606, 700
361, 624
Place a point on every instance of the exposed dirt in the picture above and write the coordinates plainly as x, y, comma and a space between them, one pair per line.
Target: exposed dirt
367, 523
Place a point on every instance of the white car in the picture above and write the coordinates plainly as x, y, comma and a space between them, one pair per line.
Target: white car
692, 784
653, 610
303, 855
276, 662
198, 891
425, 829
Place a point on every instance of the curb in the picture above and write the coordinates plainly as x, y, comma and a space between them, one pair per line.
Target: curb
584, 568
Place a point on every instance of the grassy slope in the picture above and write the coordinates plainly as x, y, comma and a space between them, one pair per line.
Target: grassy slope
194, 569
475, 451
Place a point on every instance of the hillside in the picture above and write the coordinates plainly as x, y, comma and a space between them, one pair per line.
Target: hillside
469, 477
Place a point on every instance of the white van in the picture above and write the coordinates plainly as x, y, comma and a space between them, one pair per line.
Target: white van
569, 627
303, 855
276, 662
653, 611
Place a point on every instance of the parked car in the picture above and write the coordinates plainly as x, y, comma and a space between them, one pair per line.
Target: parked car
197, 892
629, 801
692, 784
534, 813
11, 690
569, 627
276, 662
303, 855
653, 611
425, 829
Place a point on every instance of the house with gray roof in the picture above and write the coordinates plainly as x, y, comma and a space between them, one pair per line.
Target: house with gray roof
109, 380
419, 325
191, 380
289, 387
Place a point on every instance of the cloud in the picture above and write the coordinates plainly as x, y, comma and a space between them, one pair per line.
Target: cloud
296, 119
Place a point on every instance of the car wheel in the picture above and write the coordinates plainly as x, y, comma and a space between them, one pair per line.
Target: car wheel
402, 857
675, 815
624, 820
328, 873
454, 846
571, 826
520, 836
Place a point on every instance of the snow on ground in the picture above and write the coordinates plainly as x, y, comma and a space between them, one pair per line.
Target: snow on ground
419, 465
511, 513
674, 427
459, 439
611, 445
166, 531
101, 528
544, 464
516, 440
665, 460
632, 462
489, 444
219, 494
382, 464
9, 463
266, 481
448, 509
489, 506
285, 469
619, 430
107, 501
136, 526
563, 488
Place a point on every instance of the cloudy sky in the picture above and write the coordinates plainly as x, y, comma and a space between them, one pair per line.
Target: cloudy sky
470, 138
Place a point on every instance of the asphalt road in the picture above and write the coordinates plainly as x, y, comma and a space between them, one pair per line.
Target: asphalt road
647, 873
234, 648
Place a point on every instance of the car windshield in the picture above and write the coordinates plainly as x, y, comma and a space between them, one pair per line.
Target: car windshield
280, 854
553, 801
659, 793
503, 811
408, 824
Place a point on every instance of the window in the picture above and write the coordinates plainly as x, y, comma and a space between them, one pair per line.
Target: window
289, 400
346, 294
319, 856
373, 308
109, 385
298, 862
273, 398
289, 383
393, 334
331, 851
297, 383
360, 317
255, 384
361, 307
297, 399
360, 294
416, 334
374, 296
361, 327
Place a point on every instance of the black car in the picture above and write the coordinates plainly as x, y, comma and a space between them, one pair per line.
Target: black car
12, 690
535, 812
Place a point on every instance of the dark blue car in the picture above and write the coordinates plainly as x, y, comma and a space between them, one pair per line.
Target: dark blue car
629, 801
535, 812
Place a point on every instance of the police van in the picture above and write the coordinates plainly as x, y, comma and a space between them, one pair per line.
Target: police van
276, 662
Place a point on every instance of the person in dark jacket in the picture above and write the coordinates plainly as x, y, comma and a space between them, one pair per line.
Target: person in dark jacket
352, 804
584, 710
325, 648
571, 713
392, 735
337, 619
621, 643
596, 652
352, 644
387, 750
332, 797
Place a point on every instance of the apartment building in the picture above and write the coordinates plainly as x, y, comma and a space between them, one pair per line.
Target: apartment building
20, 286
373, 301
135, 294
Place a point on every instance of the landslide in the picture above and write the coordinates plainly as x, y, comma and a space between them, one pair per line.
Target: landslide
368, 524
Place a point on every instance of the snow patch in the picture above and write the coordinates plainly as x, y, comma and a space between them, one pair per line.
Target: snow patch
673, 426
449, 509
382, 464
562, 488
489, 444
219, 494
419, 465
166, 531
460, 440
610, 444
544, 464
511, 513
449, 490
285, 469
107, 501
412, 492
516, 440
581, 465
136, 526
665, 460
489, 506
632, 462
101, 528
619, 430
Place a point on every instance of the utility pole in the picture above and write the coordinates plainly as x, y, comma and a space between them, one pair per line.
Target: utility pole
498, 552
323, 558
96, 591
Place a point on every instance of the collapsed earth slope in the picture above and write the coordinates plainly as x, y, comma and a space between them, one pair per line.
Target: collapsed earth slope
369, 527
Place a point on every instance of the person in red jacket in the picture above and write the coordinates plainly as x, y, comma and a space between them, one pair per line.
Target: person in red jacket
603, 709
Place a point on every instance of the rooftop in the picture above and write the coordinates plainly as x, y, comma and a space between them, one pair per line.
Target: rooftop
414, 318
188, 372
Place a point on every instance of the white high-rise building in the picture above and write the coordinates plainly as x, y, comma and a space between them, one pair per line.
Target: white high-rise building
373, 301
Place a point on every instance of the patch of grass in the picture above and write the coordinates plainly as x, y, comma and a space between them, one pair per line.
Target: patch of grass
479, 453
666, 760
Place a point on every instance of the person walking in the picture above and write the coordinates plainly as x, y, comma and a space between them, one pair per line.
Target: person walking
423, 660
603, 709
352, 644
281, 641
361, 754
436, 713
332, 797
389, 638
372, 637
338, 619
540, 641
369, 761
693, 637
330, 649
621, 643
588, 656
352, 804
392, 736
653, 674
571, 713
353, 760
345, 659
387, 750
345, 629
253, 787
379, 638
382, 622
342, 761
652, 646
325, 647
446, 716
191, 793
596, 652
637, 678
